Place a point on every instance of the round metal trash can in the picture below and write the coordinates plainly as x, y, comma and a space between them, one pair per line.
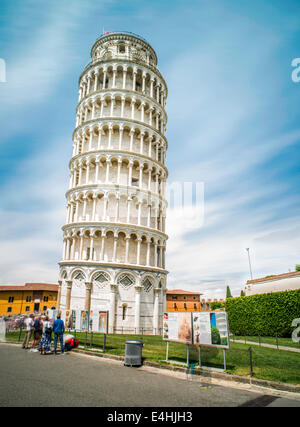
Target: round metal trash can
133, 353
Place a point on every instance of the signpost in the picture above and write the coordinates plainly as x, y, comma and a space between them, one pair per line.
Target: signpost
198, 328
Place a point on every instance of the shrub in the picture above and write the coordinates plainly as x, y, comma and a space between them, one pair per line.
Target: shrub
217, 304
264, 314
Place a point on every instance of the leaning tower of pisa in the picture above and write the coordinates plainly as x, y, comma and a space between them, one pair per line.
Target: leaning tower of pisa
114, 236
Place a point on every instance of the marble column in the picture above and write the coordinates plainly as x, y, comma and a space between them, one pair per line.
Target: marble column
59, 294
137, 316
68, 295
88, 293
112, 307
157, 292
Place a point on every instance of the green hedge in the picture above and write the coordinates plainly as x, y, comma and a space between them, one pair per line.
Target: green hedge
264, 314
217, 304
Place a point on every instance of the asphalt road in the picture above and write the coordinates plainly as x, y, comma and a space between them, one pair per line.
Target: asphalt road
74, 380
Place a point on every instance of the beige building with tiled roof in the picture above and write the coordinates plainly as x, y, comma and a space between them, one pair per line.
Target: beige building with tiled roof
275, 283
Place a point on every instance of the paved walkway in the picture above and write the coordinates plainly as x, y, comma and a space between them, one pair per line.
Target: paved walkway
81, 380
29, 379
280, 347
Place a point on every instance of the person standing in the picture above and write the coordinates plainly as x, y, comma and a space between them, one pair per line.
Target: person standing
37, 332
45, 344
29, 328
58, 329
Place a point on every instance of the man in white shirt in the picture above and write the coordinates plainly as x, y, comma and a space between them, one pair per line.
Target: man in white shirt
28, 323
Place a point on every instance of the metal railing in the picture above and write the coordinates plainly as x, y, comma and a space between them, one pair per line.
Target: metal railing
107, 33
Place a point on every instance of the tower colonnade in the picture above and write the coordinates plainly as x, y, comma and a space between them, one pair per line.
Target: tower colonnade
128, 106
123, 135
122, 73
114, 238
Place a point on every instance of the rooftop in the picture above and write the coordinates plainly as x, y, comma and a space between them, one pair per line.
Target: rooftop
30, 287
182, 292
274, 277
108, 33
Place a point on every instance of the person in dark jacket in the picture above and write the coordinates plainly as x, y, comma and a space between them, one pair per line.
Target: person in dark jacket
58, 329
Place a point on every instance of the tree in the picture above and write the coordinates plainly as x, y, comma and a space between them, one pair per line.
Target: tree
298, 267
243, 293
228, 293
215, 305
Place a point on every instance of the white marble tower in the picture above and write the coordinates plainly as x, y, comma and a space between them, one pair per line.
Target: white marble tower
114, 236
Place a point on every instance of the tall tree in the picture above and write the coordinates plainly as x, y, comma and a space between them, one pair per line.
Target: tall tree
228, 292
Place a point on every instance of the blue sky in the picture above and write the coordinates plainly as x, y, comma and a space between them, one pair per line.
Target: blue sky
233, 125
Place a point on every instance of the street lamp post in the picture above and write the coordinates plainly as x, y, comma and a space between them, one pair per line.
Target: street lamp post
247, 249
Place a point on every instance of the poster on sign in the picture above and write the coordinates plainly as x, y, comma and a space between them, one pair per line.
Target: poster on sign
177, 327
84, 320
67, 318
210, 329
103, 321
70, 319
77, 319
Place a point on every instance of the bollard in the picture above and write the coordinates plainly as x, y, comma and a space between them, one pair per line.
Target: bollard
20, 332
251, 364
104, 343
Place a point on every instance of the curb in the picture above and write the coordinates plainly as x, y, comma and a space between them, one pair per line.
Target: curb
203, 373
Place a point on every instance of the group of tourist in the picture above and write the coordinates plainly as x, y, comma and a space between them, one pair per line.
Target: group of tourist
42, 328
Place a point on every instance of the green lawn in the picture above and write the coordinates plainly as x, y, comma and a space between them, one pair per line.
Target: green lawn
268, 364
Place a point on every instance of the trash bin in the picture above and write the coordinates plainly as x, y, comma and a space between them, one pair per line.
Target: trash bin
133, 353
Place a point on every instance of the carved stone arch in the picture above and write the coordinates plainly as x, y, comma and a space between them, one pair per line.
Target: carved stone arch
78, 274
100, 279
63, 274
148, 283
138, 55
107, 54
162, 282
126, 280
